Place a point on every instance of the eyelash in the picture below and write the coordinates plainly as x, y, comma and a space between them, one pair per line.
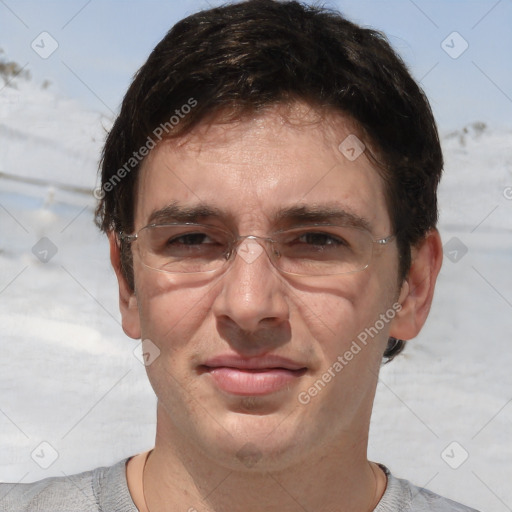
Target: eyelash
331, 239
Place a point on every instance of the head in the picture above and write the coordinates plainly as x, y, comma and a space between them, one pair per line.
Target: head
242, 110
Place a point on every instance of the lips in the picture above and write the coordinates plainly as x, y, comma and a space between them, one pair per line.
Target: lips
252, 376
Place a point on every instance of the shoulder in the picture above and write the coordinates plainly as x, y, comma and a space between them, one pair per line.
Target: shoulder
102, 489
403, 495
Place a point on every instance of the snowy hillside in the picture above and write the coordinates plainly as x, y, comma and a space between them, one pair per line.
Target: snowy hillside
69, 376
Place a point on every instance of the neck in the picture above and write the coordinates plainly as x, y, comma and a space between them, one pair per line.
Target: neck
336, 478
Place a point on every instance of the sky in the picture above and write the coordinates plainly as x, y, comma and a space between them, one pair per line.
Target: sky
456, 49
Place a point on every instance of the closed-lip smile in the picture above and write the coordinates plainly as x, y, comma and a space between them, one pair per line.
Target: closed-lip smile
252, 376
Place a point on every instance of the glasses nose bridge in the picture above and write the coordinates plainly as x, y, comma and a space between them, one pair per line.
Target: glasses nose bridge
264, 242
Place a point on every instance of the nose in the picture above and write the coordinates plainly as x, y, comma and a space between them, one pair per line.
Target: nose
252, 292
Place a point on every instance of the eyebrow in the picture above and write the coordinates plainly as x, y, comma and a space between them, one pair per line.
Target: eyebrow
322, 214
175, 212
291, 216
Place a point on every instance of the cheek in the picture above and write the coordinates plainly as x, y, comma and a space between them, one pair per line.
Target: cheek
336, 312
170, 312
171, 316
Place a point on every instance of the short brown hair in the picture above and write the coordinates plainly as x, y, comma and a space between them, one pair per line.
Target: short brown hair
250, 55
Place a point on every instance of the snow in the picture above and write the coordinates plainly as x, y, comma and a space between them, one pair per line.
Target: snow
70, 377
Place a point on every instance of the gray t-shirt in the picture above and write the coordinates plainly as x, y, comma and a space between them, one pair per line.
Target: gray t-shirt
106, 490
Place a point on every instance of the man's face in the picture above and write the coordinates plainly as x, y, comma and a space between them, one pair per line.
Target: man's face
248, 173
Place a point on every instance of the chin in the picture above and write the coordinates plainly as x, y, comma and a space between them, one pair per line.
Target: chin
254, 443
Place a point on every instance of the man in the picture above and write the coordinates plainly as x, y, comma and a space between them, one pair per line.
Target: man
269, 192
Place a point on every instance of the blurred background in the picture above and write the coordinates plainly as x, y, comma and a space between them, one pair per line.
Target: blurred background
73, 390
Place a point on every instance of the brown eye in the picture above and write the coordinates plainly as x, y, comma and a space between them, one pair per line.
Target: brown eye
321, 239
190, 239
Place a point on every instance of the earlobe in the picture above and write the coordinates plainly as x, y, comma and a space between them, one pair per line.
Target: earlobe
418, 289
127, 297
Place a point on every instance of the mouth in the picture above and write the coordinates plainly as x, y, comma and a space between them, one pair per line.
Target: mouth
252, 376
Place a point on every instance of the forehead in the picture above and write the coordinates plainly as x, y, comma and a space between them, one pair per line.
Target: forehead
249, 171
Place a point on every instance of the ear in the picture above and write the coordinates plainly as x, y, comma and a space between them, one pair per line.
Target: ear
418, 289
127, 298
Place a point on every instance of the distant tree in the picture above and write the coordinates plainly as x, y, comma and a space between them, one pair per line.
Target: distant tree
11, 69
